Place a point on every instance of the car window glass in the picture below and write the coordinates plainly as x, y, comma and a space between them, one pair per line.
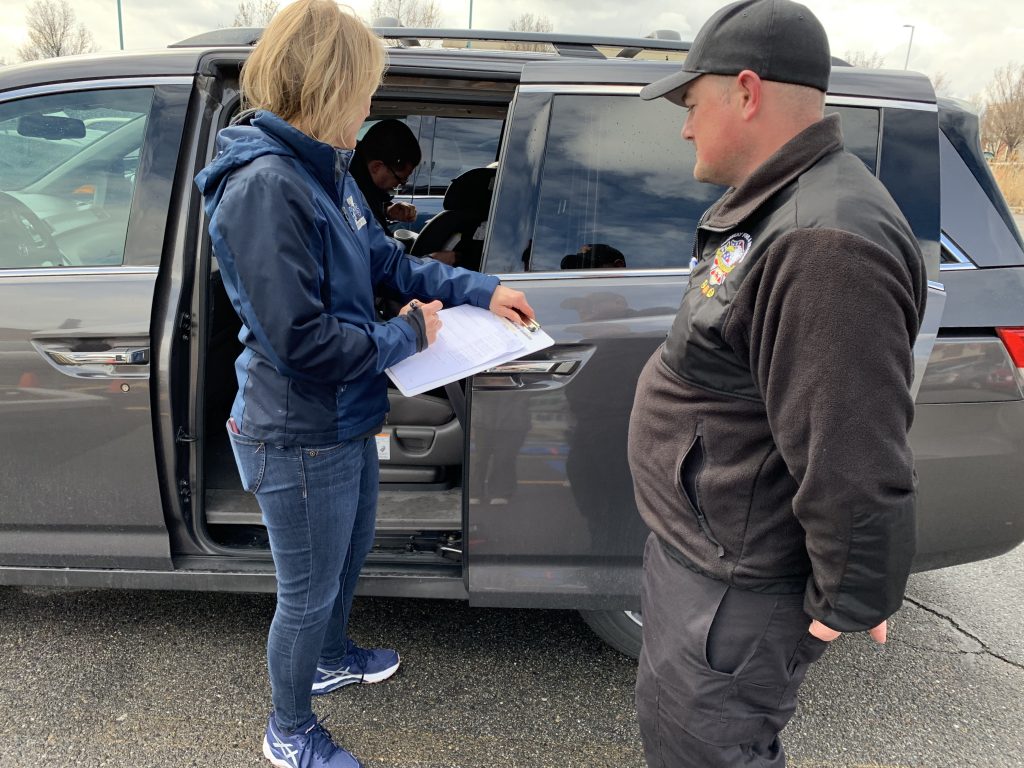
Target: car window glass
67, 174
458, 144
860, 132
617, 189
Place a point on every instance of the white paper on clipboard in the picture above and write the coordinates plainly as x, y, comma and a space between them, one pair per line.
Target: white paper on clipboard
471, 340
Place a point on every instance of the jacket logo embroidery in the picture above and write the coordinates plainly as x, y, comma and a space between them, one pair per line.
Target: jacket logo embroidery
354, 214
726, 258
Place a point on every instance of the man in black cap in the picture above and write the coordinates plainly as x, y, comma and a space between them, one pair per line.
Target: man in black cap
768, 438
384, 160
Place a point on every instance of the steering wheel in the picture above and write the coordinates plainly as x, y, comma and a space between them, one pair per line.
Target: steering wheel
32, 239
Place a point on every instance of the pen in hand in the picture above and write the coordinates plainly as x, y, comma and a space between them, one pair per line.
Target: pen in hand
428, 314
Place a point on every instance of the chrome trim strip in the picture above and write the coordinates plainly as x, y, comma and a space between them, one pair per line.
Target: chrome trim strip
863, 101
122, 271
587, 274
615, 90
963, 261
631, 90
88, 85
577, 274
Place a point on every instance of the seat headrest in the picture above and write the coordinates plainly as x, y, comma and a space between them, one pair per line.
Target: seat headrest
471, 191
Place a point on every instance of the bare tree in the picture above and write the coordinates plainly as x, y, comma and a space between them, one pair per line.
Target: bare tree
989, 142
254, 13
940, 82
872, 60
528, 22
1003, 122
54, 30
418, 14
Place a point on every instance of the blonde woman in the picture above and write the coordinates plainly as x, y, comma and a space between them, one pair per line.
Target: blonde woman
300, 254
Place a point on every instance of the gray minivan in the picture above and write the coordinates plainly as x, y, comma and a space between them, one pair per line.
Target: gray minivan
512, 488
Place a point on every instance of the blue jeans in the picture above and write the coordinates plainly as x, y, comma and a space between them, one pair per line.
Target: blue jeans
319, 505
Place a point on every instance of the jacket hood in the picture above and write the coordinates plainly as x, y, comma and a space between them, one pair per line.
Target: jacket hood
257, 133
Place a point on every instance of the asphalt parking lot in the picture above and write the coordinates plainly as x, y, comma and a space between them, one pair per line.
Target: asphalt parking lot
139, 679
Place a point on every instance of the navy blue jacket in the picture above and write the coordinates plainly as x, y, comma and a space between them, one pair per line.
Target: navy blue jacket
300, 254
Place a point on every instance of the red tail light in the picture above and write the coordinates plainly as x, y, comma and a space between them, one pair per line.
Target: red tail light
1013, 339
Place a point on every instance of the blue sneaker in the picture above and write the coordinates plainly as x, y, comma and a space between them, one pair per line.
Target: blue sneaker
310, 746
360, 665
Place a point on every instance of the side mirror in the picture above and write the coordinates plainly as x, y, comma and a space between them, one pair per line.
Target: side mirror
50, 127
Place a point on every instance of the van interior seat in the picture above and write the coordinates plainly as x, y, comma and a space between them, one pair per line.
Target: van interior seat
460, 224
418, 411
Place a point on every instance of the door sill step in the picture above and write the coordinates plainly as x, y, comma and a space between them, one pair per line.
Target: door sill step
397, 511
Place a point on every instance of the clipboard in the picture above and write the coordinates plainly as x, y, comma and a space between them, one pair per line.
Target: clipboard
471, 340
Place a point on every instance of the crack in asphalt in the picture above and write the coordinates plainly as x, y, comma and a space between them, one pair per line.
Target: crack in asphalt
962, 630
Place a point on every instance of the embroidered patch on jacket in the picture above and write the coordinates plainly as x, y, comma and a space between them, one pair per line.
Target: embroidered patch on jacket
726, 258
355, 214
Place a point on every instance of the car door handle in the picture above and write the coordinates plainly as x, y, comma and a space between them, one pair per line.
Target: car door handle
113, 356
560, 367
122, 358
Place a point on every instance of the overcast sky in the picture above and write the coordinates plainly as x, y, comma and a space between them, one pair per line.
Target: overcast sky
965, 41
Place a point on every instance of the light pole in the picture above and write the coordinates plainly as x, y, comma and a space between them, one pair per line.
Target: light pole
470, 14
120, 27
907, 62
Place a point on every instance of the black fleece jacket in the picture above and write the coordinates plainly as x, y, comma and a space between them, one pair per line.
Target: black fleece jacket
378, 199
768, 439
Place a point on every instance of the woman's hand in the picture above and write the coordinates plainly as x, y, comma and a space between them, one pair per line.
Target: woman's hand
511, 304
431, 322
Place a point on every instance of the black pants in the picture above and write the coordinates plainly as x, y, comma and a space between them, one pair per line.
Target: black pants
719, 669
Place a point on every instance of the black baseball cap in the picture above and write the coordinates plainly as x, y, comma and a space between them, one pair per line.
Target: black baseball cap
778, 39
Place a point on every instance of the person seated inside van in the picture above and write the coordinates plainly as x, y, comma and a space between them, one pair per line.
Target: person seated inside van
384, 160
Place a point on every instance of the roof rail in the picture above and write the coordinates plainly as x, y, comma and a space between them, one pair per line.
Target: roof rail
587, 46
391, 21
229, 36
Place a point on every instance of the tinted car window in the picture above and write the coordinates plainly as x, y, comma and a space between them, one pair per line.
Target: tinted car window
860, 132
969, 218
617, 189
456, 145
67, 176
